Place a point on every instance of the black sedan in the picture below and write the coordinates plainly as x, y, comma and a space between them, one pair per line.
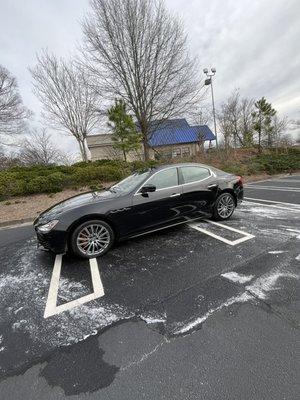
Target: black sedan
147, 201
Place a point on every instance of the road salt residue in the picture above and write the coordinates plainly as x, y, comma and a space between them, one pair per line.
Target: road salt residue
25, 307
267, 283
198, 321
235, 277
259, 289
277, 252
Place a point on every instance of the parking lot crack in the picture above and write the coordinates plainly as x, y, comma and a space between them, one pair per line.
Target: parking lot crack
145, 356
264, 303
289, 321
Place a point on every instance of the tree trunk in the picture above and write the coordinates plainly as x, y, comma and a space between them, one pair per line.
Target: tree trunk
144, 127
87, 150
82, 150
259, 134
146, 149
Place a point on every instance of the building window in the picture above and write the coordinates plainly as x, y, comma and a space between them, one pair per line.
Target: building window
165, 154
176, 152
186, 151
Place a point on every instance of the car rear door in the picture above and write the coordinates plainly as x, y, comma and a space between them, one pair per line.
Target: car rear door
199, 190
161, 207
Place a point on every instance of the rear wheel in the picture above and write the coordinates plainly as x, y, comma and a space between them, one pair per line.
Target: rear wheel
224, 207
92, 239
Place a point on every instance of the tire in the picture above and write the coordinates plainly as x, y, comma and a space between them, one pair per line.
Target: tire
92, 239
224, 207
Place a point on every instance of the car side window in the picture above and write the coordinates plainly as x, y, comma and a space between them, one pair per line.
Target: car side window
164, 179
193, 174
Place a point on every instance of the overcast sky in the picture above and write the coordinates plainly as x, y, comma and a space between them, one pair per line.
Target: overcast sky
254, 44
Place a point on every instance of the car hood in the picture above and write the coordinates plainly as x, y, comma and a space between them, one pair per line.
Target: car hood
77, 201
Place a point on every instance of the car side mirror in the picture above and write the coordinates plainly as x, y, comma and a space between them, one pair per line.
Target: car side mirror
148, 189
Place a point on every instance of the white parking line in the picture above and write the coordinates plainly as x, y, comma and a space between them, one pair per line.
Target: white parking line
52, 308
246, 236
286, 180
273, 201
272, 206
281, 189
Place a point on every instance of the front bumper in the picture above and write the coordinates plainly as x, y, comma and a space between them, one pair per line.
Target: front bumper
55, 241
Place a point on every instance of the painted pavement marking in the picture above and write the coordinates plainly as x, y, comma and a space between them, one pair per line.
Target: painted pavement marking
51, 307
245, 235
273, 201
270, 205
276, 188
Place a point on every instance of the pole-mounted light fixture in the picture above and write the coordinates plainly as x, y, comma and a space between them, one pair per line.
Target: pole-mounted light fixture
208, 82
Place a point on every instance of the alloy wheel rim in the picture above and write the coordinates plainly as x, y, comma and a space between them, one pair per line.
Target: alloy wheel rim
225, 206
92, 240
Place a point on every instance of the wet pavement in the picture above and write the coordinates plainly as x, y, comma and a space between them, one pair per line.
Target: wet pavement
199, 311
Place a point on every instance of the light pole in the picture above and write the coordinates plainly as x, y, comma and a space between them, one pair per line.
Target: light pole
209, 81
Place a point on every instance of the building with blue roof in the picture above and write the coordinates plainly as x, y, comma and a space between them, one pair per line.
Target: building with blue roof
168, 138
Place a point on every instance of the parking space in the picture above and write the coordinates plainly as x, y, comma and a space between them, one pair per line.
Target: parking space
165, 286
286, 190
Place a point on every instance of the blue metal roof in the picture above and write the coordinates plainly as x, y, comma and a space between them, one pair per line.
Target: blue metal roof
176, 131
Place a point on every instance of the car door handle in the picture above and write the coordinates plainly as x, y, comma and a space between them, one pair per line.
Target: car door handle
175, 194
212, 186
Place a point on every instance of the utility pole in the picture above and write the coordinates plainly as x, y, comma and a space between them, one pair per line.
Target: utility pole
209, 81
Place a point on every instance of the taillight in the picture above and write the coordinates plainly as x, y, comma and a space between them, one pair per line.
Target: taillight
240, 181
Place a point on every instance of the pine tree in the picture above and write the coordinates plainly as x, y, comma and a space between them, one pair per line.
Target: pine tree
263, 122
125, 136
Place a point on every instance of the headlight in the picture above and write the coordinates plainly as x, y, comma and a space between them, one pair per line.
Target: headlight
47, 227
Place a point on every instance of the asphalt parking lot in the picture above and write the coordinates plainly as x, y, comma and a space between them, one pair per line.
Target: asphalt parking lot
201, 311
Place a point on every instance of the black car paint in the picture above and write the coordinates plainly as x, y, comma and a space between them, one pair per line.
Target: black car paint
135, 213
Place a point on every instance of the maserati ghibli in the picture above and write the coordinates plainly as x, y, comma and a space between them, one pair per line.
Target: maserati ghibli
89, 224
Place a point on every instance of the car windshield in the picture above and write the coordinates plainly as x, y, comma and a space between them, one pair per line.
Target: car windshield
131, 182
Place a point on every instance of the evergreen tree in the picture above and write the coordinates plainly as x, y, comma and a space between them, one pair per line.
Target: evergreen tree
263, 122
125, 136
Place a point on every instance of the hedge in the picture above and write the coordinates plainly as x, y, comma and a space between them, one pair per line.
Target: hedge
17, 181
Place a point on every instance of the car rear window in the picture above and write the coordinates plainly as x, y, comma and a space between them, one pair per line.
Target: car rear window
193, 174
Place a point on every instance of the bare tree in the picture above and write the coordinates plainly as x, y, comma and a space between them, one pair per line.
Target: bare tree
246, 121
39, 148
236, 121
137, 51
203, 116
69, 102
279, 129
13, 113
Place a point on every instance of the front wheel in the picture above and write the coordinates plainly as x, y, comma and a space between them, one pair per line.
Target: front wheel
92, 239
224, 207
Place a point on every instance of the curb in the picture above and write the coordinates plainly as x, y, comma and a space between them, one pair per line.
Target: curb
16, 222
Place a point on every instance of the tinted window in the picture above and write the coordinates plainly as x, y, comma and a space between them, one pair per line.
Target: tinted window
130, 183
164, 179
193, 174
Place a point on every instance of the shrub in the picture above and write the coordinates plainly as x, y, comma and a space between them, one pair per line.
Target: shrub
140, 165
51, 183
55, 182
37, 185
237, 169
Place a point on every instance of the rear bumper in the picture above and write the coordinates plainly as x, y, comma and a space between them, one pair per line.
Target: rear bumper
55, 241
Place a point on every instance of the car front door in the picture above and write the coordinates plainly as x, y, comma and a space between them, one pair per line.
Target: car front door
199, 190
161, 207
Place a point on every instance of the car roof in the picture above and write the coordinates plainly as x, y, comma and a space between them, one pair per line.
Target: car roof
160, 167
